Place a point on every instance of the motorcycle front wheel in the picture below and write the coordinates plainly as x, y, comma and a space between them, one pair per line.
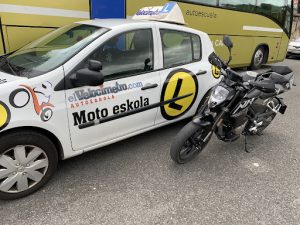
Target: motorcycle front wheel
189, 142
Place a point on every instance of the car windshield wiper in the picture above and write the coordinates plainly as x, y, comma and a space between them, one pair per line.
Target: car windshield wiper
11, 67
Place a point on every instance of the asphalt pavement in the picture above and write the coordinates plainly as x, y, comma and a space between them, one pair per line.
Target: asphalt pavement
136, 182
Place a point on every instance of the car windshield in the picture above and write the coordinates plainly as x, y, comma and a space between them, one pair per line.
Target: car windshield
50, 51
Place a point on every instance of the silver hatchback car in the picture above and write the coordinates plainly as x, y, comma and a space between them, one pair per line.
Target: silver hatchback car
294, 48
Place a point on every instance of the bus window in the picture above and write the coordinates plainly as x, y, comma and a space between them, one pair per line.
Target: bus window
288, 16
205, 2
272, 8
246, 5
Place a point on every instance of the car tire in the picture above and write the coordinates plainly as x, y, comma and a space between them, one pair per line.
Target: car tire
28, 159
259, 58
288, 56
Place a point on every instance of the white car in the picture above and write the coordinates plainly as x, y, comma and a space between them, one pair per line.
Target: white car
294, 48
91, 84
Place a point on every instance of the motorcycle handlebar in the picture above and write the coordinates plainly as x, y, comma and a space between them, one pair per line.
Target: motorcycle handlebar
265, 85
216, 61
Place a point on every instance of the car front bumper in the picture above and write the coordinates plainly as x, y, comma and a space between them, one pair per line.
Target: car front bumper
293, 52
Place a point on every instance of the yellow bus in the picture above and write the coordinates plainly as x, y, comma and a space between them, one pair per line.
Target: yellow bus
24, 21
260, 29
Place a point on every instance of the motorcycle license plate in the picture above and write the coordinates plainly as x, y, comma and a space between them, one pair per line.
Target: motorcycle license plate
283, 109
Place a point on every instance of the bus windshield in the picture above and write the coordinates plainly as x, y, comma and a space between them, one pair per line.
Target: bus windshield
50, 51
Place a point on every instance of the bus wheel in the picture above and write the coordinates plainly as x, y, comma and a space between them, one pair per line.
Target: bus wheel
258, 58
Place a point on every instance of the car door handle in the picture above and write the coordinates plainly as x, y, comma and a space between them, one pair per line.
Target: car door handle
201, 72
149, 86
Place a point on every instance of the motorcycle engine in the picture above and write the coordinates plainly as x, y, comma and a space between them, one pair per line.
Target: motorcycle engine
239, 121
235, 126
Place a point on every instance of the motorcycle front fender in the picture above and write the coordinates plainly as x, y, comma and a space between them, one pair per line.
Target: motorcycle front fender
203, 121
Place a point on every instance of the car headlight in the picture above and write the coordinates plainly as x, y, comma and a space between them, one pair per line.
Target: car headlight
291, 47
218, 96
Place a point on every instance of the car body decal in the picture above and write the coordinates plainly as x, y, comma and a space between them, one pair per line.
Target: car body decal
41, 96
130, 112
179, 94
216, 72
5, 115
3, 81
179, 82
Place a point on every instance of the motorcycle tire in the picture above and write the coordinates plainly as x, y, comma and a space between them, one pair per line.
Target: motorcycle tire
184, 149
267, 122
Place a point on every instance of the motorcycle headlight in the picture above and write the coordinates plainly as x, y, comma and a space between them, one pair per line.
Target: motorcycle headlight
218, 96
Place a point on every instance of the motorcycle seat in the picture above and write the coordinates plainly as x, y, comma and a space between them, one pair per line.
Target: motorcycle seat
283, 70
281, 79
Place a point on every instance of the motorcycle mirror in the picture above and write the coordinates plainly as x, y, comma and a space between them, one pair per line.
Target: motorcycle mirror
227, 42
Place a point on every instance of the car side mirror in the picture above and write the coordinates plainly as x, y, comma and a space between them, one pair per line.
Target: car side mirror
90, 76
95, 65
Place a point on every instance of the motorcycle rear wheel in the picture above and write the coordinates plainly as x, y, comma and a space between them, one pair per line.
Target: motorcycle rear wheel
266, 123
189, 143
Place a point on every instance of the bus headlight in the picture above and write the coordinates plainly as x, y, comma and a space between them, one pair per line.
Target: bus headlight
218, 96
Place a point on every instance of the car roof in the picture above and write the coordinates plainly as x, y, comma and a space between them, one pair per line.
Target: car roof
116, 23
112, 23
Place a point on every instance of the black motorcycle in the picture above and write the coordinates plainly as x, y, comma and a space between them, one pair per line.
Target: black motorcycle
241, 104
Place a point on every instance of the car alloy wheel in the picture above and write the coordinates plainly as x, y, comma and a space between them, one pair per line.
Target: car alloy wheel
21, 168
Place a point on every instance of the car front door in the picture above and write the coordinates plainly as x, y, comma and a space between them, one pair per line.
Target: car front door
120, 107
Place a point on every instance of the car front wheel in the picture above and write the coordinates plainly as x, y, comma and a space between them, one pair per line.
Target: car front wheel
27, 161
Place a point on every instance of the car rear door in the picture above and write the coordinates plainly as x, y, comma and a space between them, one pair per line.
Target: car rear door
186, 74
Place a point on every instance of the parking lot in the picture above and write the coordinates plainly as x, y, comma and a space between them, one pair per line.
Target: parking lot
135, 181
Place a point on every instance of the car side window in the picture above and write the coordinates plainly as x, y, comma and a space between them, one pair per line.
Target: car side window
126, 54
197, 53
179, 47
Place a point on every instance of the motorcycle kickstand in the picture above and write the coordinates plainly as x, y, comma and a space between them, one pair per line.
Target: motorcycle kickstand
246, 144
